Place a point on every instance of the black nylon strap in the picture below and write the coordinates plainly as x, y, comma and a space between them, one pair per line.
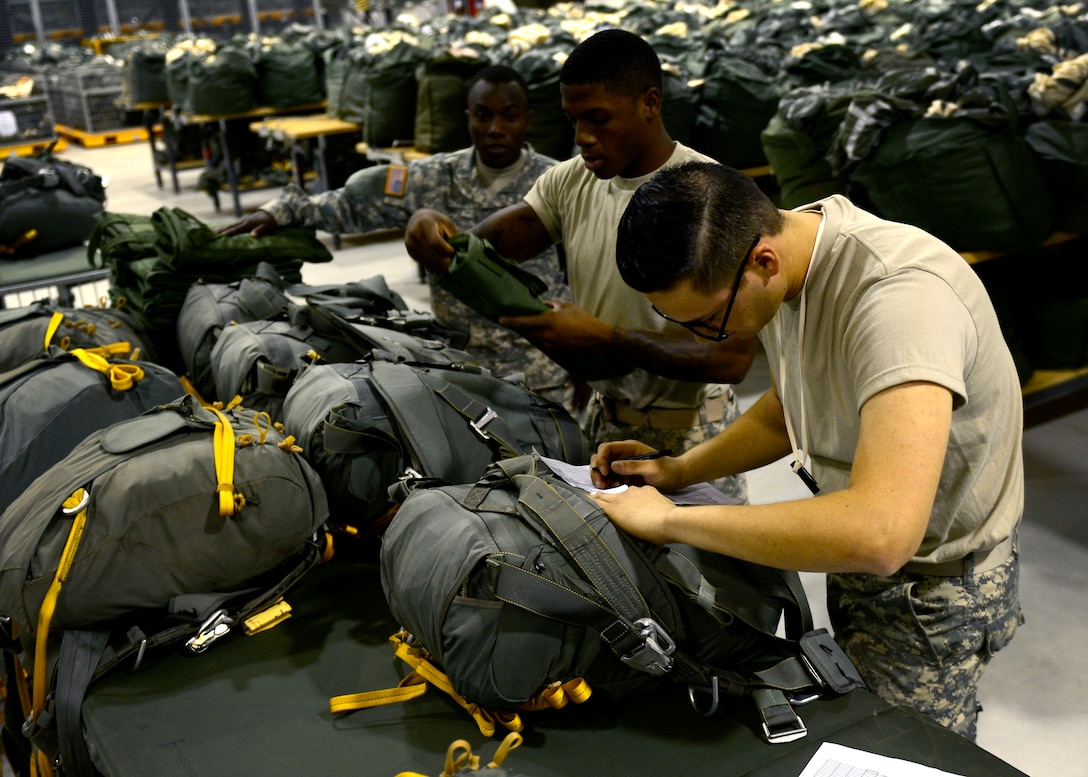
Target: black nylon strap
585, 547
80, 652
542, 596
495, 428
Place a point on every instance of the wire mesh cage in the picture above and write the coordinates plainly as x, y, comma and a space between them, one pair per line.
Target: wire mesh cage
88, 97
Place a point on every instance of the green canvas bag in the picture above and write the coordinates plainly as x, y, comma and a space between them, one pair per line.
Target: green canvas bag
1062, 149
391, 96
495, 286
976, 187
180, 525
365, 424
221, 83
519, 584
442, 84
209, 307
28, 331
51, 402
46, 203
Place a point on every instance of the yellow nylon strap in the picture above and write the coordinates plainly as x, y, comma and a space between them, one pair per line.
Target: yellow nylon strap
512, 741
20, 241
49, 603
122, 376
556, 695
459, 756
424, 674
223, 442
411, 687
54, 325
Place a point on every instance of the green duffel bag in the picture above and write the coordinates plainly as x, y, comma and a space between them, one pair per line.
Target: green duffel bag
209, 307
391, 96
184, 242
287, 76
440, 123
678, 104
46, 203
550, 132
28, 331
221, 84
518, 582
495, 286
801, 170
51, 402
736, 101
978, 188
180, 525
367, 423
143, 77
345, 82
1062, 149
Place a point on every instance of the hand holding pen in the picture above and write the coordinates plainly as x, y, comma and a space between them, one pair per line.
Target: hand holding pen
625, 463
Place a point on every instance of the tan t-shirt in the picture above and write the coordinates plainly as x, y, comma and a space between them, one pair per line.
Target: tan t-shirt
887, 304
583, 212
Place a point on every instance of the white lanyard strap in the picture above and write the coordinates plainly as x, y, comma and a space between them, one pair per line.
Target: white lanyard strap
800, 454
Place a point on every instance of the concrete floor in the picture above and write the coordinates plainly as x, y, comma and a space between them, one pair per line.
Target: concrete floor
1035, 693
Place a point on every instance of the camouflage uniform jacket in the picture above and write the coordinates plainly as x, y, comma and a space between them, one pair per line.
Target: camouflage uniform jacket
447, 182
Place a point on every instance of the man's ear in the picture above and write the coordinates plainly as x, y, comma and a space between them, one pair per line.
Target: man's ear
651, 103
766, 259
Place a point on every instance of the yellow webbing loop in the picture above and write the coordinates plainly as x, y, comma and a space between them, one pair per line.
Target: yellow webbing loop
54, 325
288, 444
223, 442
20, 241
263, 422
459, 755
424, 674
122, 376
460, 758
556, 695
512, 741
79, 500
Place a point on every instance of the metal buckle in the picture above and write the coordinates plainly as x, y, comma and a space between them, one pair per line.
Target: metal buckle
712, 691
217, 625
654, 655
789, 735
479, 424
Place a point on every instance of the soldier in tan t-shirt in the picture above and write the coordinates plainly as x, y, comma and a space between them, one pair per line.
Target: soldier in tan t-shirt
665, 387
896, 395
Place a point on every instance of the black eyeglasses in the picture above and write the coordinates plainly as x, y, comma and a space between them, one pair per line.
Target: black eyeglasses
699, 328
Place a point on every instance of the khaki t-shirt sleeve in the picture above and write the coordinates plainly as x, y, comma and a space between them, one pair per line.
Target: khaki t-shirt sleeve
544, 199
891, 341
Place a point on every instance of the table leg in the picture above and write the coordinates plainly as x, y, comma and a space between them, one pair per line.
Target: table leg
149, 125
232, 174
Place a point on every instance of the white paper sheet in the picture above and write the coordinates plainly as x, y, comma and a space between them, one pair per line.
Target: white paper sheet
833, 760
578, 476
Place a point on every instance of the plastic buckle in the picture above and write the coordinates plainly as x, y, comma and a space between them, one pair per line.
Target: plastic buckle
479, 424
654, 655
217, 625
788, 735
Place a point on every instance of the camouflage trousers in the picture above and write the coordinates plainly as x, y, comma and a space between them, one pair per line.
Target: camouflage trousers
924, 641
599, 428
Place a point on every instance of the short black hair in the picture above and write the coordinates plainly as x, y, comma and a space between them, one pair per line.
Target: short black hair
618, 60
500, 74
694, 222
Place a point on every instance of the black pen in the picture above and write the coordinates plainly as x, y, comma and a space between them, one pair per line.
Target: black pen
648, 456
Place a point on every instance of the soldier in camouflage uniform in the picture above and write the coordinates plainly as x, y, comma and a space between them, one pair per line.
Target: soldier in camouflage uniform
470, 184
912, 424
